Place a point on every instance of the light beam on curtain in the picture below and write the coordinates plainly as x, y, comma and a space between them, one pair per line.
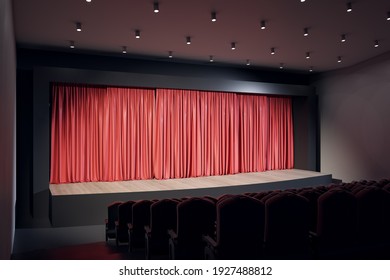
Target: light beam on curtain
100, 134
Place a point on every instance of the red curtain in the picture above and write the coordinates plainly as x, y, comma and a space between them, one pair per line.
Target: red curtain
111, 134
101, 134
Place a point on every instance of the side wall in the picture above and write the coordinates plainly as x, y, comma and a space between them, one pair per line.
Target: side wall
7, 128
355, 121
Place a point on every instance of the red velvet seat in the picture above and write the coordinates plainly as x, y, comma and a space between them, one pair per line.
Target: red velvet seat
124, 218
140, 218
240, 229
195, 217
112, 216
312, 196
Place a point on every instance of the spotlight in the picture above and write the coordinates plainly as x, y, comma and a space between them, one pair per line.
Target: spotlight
388, 15
343, 38
213, 16
137, 34
71, 44
281, 65
124, 49
156, 8
233, 46
188, 40
170, 55
302, 1
349, 7
89, 1
78, 26
306, 32
338, 59
307, 55
211, 58
262, 24
248, 62
376, 43
272, 50
311, 69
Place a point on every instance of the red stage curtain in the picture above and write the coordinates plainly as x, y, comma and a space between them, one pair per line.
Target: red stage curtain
100, 134
112, 134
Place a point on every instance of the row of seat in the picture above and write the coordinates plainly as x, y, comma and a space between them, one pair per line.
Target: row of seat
334, 221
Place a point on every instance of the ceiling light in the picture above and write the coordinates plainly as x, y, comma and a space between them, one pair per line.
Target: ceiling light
137, 34
188, 40
343, 38
78, 26
71, 44
388, 15
89, 1
302, 1
211, 58
156, 8
170, 55
124, 49
262, 24
311, 69
248, 62
233, 46
272, 50
349, 7
213, 16
281, 65
376, 43
307, 55
306, 32
339, 59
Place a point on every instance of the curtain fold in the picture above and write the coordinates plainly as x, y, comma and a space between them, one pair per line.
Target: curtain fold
117, 134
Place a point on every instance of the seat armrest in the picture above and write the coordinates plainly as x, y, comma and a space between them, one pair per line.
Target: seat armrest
172, 234
148, 230
130, 226
209, 241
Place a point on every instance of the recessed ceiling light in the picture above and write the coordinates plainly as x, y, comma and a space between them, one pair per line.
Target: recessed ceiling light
156, 7
281, 66
343, 38
306, 32
262, 24
71, 44
211, 58
307, 55
188, 40
388, 15
233, 45
137, 34
302, 1
124, 49
349, 7
311, 69
89, 1
170, 55
213, 16
248, 62
339, 59
376, 43
78, 26
272, 50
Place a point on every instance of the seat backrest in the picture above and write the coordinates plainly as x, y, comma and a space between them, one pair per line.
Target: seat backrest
112, 213
125, 213
312, 196
240, 226
141, 214
337, 218
287, 226
163, 216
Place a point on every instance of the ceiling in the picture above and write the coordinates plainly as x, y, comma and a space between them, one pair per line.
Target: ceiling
107, 26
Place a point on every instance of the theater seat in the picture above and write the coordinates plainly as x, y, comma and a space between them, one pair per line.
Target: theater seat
195, 218
136, 229
124, 218
112, 216
240, 230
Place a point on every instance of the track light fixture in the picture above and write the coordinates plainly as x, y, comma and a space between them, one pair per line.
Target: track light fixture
339, 59
272, 50
305, 31
349, 7
376, 43
233, 45
124, 49
71, 44
78, 26
137, 34
188, 40
262, 24
213, 16
343, 38
156, 7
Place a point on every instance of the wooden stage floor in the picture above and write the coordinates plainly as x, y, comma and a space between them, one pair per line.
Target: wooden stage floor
80, 204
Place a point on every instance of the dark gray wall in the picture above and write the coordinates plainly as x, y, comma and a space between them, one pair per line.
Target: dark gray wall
355, 120
7, 128
36, 72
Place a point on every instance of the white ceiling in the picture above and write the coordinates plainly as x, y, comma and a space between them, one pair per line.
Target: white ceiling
109, 25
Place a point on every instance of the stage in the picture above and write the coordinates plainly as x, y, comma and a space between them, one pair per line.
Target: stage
81, 204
